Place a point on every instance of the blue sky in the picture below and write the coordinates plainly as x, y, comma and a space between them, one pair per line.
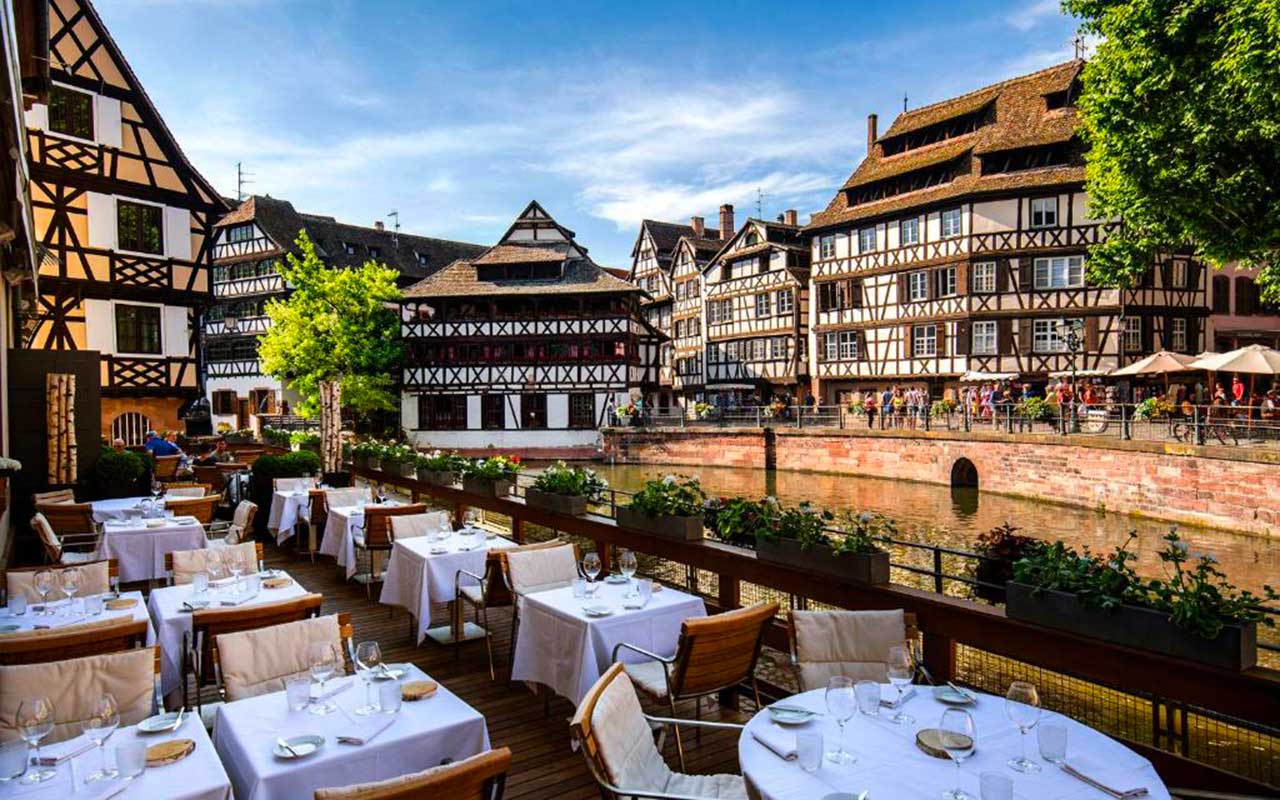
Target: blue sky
457, 114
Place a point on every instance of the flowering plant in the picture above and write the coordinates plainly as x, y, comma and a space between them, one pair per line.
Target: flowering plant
560, 478
673, 495
625, 409
1153, 408
438, 461
493, 468
864, 533
705, 410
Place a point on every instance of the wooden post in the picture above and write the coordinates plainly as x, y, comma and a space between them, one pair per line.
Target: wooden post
330, 426
940, 657
730, 598
60, 422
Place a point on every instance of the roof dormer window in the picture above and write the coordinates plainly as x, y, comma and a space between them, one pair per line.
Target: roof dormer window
349, 248
423, 259
375, 252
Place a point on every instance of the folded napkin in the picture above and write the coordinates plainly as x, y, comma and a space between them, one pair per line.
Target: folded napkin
889, 695
53, 761
782, 744
332, 693
239, 600
365, 733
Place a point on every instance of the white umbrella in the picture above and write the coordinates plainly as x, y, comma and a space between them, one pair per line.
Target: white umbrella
1253, 359
976, 376
1161, 363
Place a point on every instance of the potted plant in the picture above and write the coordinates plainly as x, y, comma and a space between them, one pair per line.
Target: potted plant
367, 454
305, 440
493, 476
671, 507
268, 467
997, 551
120, 474
624, 413
799, 538
565, 489
735, 520
1194, 613
1036, 409
944, 409
437, 468
242, 436
1153, 408
705, 411
399, 459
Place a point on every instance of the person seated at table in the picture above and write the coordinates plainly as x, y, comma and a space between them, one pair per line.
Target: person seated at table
117, 445
220, 454
158, 446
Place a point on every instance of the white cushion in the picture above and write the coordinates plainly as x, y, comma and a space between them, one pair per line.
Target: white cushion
259, 661
186, 563
709, 786
541, 569
94, 579
649, 676
344, 498
185, 491
79, 558
852, 643
626, 740
409, 526
73, 684
473, 594
294, 484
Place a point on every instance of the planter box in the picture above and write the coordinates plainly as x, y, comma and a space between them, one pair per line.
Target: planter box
570, 504
392, 467
436, 477
408, 469
868, 568
687, 529
1236, 647
487, 488
372, 462
994, 571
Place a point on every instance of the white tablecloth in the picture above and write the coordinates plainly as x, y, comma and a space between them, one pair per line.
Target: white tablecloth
65, 614
890, 765
113, 508
287, 508
141, 550
416, 578
172, 622
339, 531
199, 776
424, 733
561, 647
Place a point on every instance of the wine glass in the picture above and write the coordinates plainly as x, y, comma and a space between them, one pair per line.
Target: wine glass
35, 721
901, 672
841, 705
1022, 705
368, 659
956, 732
104, 718
627, 566
44, 585
70, 578
324, 658
471, 518
213, 564
157, 490
235, 566
591, 568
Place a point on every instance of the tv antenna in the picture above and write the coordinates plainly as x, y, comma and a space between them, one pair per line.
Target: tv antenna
760, 195
1080, 46
242, 178
904, 101
395, 228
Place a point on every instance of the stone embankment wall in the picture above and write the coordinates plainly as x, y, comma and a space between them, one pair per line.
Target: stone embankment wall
1233, 488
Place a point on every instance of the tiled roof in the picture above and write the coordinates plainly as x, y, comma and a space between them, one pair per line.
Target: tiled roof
517, 254
581, 275
1021, 120
667, 234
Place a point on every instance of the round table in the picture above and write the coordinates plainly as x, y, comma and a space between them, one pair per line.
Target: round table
890, 767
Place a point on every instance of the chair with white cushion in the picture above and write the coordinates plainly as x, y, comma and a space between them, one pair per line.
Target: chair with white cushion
58, 541
411, 526
98, 636
55, 496
348, 497
259, 661
616, 738
96, 577
536, 568
238, 529
480, 777
853, 643
183, 565
186, 492
293, 484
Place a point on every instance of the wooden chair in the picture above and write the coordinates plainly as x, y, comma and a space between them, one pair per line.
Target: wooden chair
110, 635
374, 537
96, 577
166, 467
56, 546
211, 476
239, 528
713, 654
178, 580
483, 592
252, 662
481, 777
186, 488
617, 741
313, 522
292, 484
55, 496
250, 456
199, 507
538, 566
69, 518
199, 644
839, 642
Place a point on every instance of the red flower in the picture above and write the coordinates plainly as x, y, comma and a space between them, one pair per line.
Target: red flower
515, 459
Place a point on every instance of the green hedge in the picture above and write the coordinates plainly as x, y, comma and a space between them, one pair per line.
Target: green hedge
287, 465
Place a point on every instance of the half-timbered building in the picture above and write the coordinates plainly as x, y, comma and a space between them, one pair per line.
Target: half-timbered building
959, 244
754, 297
526, 346
250, 243
126, 222
687, 342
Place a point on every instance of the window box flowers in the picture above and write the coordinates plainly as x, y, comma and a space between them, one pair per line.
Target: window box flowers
998, 549
400, 459
565, 489
492, 477
799, 538
367, 454
437, 468
670, 507
624, 412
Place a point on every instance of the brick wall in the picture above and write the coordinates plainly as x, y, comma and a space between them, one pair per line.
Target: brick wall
1214, 486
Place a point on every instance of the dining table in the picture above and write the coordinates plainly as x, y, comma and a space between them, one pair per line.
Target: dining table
561, 646
889, 764
198, 776
288, 506
140, 545
172, 617
66, 612
422, 570
339, 534
424, 733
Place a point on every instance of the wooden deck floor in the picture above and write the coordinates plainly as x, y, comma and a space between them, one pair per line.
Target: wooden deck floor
543, 764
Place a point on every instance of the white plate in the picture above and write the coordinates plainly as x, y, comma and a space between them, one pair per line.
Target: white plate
160, 723
304, 745
945, 694
156, 523
791, 715
597, 610
616, 579
195, 605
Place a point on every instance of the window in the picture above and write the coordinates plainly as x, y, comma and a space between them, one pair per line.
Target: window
917, 286
778, 348
138, 227
784, 301
1059, 272
442, 412
239, 233
946, 281
924, 341
349, 248
224, 402
909, 231
375, 252
984, 339
1046, 336
830, 347
137, 329
984, 277
1133, 334
423, 258
533, 411
582, 410
70, 112
493, 412
764, 308
1178, 335
829, 296
827, 246
848, 345
1044, 212
1178, 275
719, 311
950, 223
866, 240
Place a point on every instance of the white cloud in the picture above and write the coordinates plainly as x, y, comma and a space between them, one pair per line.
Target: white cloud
626, 204
1027, 17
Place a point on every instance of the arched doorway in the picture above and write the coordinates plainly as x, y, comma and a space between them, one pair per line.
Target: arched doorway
964, 475
130, 426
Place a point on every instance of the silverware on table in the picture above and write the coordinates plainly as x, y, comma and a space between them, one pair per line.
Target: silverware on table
1119, 794
280, 741
178, 722
53, 761
973, 698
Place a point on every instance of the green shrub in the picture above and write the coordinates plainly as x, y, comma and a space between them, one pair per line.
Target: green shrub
287, 465
119, 468
670, 496
560, 478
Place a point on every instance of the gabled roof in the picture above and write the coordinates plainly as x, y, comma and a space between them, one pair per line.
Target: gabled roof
403, 252
666, 235
777, 236
1020, 118
517, 254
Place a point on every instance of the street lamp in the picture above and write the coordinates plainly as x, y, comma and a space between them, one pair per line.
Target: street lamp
1071, 332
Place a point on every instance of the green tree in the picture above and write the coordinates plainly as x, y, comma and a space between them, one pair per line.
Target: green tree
1181, 112
334, 326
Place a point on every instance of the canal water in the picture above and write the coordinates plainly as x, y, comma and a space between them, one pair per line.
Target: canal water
954, 518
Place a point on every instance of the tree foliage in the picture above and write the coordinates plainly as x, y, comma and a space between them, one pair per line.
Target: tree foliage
334, 326
1181, 111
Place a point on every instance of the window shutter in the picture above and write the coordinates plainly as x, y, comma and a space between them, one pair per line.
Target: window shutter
1194, 269
964, 341
101, 211
962, 277
1002, 275
1025, 282
1166, 276
1193, 335
1148, 334
106, 114
1091, 334
941, 330
902, 288
935, 277
907, 341
1166, 335
862, 345
1024, 336
1004, 336
177, 233
855, 285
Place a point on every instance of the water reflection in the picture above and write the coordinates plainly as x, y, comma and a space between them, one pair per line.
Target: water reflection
954, 518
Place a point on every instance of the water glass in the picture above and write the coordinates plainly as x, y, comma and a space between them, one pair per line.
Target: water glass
93, 605
13, 759
18, 605
809, 750
579, 588
297, 693
868, 693
995, 786
131, 758
253, 584
389, 696
1053, 742
200, 582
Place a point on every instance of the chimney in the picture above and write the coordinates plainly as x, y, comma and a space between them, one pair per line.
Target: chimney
789, 217
699, 226
871, 132
378, 226
726, 221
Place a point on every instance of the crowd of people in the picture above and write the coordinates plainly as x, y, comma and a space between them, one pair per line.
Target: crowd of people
166, 444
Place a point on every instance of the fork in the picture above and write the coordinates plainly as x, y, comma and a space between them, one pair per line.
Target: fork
280, 741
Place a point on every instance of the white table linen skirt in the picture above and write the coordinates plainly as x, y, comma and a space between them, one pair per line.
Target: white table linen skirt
287, 508
65, 614
559, 646
140, 551
113, 508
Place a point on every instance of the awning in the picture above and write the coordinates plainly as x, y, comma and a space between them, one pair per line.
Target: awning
983, 377
1080, 373
1160, 363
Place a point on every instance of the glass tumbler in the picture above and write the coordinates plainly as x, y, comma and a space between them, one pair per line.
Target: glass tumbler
868, 693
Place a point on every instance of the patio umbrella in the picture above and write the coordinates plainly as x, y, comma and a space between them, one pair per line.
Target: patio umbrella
1161, 363
1252, 360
